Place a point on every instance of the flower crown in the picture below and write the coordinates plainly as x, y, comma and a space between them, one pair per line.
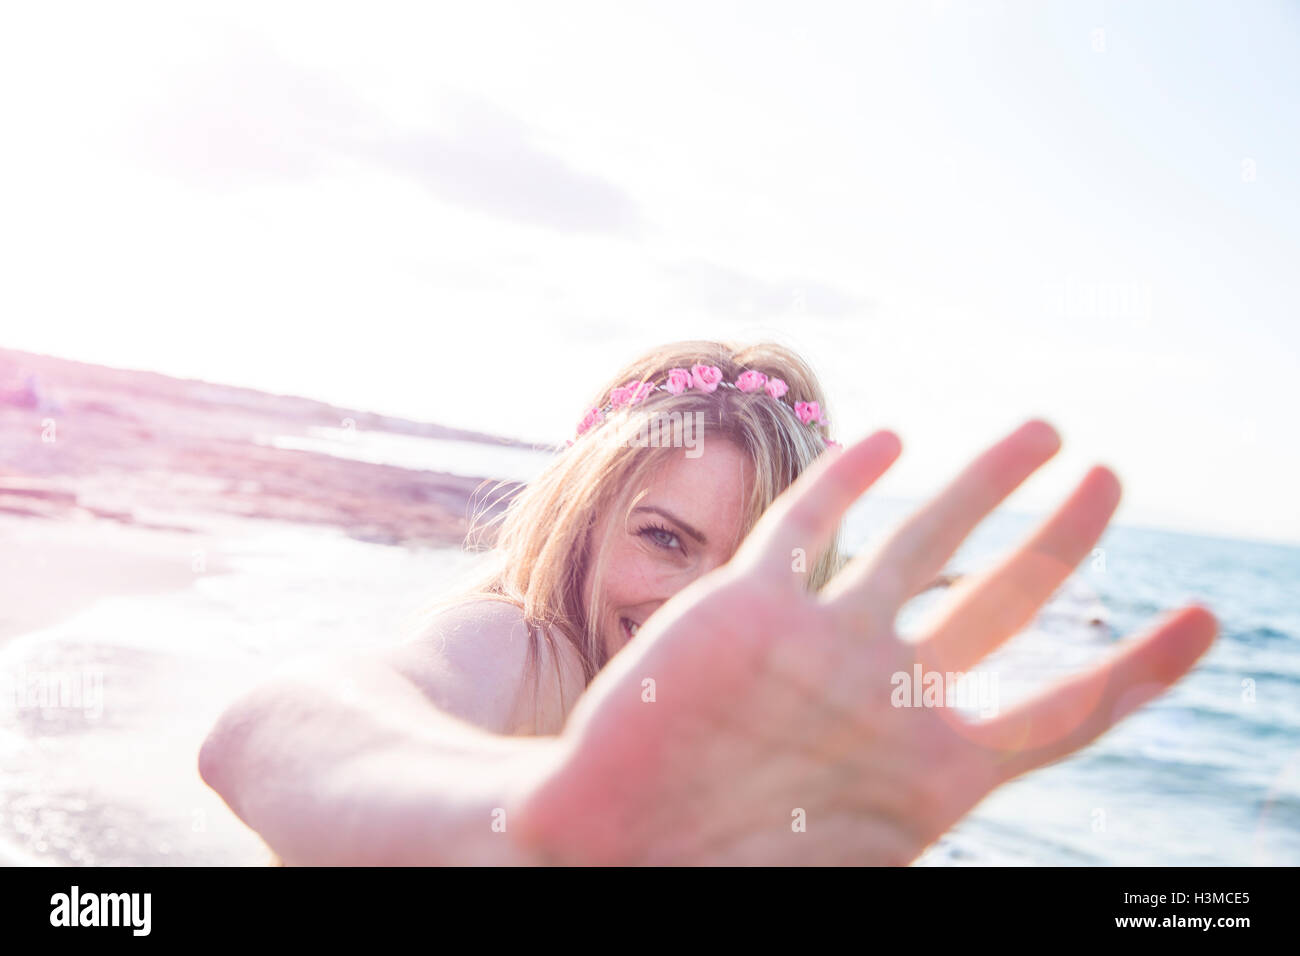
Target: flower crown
703, 378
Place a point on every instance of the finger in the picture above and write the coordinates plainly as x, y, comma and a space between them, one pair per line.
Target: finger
917, 550
806, 515
1076, 711
987, 609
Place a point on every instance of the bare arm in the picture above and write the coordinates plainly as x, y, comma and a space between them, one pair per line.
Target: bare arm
405, 756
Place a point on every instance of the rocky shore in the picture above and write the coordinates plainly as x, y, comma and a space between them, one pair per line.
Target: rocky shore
143, 449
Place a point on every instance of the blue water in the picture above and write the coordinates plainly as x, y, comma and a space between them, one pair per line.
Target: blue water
1207, 774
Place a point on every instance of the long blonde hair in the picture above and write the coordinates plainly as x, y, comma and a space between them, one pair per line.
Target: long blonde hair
540, 543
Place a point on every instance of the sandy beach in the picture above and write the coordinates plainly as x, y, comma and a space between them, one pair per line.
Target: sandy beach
53, 569
108, 477
148, 526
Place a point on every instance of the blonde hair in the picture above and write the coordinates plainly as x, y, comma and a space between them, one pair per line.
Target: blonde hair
541, 541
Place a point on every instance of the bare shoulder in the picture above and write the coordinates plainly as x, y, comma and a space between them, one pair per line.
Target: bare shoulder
473, 661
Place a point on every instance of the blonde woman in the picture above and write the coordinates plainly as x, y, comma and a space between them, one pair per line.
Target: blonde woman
670, 661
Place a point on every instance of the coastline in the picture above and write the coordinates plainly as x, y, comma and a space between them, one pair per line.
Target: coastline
55, 569
115, 483
137, 448
157, 552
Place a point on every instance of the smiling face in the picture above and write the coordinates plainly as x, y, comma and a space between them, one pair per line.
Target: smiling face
686, 523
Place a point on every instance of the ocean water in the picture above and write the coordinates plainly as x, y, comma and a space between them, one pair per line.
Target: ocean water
1207, 774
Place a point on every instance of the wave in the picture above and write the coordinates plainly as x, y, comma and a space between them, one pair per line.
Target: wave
1261, 635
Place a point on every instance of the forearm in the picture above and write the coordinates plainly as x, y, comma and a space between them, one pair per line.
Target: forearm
354, 766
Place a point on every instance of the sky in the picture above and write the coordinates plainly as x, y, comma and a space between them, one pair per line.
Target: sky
963, 215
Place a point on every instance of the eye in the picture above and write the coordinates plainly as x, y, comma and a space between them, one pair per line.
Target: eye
658, 534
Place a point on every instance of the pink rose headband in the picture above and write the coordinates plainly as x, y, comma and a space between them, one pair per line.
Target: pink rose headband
704, 378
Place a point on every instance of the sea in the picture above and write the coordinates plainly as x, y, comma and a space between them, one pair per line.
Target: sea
1207, 774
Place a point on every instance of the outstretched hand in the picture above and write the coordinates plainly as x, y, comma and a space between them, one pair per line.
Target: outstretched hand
751, 721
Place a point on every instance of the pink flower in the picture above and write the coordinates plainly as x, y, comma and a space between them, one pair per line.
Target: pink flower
706, 377
591, 418
808, 412
751, 381
679, 380
831, 443
638, 392
776, 388
633, 393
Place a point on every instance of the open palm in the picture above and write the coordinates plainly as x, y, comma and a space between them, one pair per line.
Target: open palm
751, 721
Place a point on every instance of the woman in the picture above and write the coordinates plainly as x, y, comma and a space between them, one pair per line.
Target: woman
670, 661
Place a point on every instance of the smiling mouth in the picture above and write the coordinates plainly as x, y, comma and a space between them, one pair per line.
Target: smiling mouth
629, 627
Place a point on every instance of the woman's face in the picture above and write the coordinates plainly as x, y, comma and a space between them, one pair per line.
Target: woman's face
685, 524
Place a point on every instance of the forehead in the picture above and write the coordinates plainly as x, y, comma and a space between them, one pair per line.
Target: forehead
709, 492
